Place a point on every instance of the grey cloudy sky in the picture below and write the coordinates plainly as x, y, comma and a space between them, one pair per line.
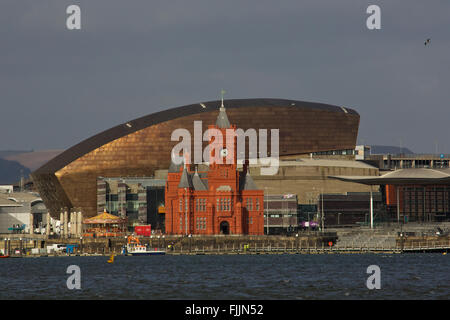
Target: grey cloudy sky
132, 58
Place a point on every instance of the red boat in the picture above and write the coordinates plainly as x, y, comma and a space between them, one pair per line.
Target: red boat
4, 256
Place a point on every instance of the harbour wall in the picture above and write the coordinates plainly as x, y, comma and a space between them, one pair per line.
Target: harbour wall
226, 244
176, 244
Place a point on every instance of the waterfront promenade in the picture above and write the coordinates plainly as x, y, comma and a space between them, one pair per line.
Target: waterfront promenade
425, 248
387, 239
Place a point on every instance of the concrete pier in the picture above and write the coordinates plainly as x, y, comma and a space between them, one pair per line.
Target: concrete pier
80, 223
31, 231
47, 227
66, 224
61, 223
73, 223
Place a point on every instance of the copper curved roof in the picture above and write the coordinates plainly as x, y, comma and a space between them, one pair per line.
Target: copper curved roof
131, 126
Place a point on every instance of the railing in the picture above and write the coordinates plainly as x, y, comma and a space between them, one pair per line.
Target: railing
427, 245
292, 249
299, 247
418, 156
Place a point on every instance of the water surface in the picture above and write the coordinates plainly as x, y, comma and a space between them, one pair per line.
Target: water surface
287, 277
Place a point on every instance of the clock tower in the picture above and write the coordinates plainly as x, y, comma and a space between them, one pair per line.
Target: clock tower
223, 152
220, 200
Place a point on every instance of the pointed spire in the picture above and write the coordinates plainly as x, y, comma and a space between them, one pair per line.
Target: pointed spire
222, 92
249, 184
185, 181
197, 182
222, 119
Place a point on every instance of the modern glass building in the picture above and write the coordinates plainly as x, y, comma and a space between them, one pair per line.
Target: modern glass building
280, 214
414, 194
137, 199
422, 203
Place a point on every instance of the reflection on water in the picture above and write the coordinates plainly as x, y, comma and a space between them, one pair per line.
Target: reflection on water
333, 276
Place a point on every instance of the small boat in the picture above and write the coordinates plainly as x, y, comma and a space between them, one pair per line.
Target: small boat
6, 256
111, 259
143, 251
135, 248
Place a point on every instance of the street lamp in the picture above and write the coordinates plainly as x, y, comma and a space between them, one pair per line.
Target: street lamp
81, 244
322, 211
267, 210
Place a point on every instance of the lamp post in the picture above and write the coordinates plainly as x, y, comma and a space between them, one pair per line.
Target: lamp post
313, 198
186, 204
267, 211
322, 214
371, 208
398, 204
402, 238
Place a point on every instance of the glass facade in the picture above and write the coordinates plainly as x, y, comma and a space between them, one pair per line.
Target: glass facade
335, 152
283, 214
425, 203
137, 199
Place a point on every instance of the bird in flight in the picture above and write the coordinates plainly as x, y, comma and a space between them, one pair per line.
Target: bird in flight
427, 41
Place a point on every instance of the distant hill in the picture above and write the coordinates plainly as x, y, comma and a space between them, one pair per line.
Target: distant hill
35, 159
7, 153
12, 171
17, 163
389, 150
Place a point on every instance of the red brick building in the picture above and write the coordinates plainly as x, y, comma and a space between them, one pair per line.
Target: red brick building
221, 200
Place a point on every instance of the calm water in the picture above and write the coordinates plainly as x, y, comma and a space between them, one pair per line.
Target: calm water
403, 276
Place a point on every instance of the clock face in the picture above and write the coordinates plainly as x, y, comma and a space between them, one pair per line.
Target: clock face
224, 152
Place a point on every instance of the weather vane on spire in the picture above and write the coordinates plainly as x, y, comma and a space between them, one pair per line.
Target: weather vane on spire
222, 92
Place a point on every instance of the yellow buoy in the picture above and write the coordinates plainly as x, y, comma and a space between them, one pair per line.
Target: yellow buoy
444, 253
111, 259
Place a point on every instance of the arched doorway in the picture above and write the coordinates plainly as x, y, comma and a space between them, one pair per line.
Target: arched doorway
224, 227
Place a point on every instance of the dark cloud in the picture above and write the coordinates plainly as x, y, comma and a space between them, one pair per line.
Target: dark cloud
132, 58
